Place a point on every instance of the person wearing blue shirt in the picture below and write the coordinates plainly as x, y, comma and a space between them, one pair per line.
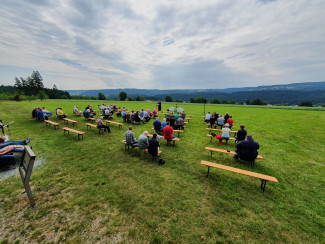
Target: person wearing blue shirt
163, 124
157, 125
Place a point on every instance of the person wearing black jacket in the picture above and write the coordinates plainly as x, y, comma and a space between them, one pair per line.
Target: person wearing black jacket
247, 149
241, 134
153, 145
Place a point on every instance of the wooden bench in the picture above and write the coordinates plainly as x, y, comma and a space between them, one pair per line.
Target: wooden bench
264, 178
211, 149
210, 129
52, 123
178, 131
172, 140
230, 138
80, 133
91, 119
94, 126
115, 123
128, 147
70, 120
188, 119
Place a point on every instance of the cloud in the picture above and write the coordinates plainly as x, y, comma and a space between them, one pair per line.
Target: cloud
162, 44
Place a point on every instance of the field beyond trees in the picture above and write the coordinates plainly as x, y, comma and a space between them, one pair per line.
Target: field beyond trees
93, 191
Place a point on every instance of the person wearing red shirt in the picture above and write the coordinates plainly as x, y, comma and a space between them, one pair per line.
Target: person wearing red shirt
230, 121
168, 132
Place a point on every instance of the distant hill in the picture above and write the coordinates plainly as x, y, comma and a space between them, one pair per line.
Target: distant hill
276, 94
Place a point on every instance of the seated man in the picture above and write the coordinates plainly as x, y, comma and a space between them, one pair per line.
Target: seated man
129, 137
220, 121
107, 114
157, 125
183, 115
128, 117
87, 114
247, 149
230, 121
172, 121
168, 132
61, 114
164, 123
226, 117
137, 118
154, 113
100, 124
76, 111
146, 116
41, 115
207, 117
123, 114
132, 116
241, 134
153, 145
92, 112
143, 140
142, 114
48, 113
34, 112
212, 120
180, 123
176, 116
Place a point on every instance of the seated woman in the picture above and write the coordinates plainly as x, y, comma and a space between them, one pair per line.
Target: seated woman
61, 114
154, 113
225, 133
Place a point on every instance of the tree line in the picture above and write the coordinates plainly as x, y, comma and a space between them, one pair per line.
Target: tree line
31, 88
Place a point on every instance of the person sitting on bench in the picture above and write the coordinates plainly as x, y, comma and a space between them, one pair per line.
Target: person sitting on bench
157, 125
241, 134
230, 121
212, 120
154, 145
129, 138
4, 143
247, 149
220, 121
76, 111
207, 117
226, 117
164, 123
87, 114
180, 123
92, 112
41, 115
61, 114
123, 115
137, 118
143, 140
168, 132
154, 113
172, 121
146, 116
225, 133
100, 124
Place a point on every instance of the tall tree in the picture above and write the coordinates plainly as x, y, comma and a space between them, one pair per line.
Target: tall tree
122, 96
101, 96
168, 99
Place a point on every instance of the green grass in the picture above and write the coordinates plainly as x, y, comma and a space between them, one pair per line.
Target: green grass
93, 191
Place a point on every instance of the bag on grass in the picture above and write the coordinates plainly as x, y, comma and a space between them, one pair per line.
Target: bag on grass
161, 161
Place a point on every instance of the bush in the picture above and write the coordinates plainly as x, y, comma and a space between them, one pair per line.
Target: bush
306, 103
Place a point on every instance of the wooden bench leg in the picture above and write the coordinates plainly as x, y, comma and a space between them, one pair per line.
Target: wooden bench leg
211, 153
263, 184
208, 171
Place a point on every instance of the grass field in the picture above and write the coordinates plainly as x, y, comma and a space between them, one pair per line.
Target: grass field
93, 191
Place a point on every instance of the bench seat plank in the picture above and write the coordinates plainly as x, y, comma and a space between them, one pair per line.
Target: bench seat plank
225, 151
240, 171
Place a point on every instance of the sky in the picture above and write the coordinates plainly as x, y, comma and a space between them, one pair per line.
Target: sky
184, 44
